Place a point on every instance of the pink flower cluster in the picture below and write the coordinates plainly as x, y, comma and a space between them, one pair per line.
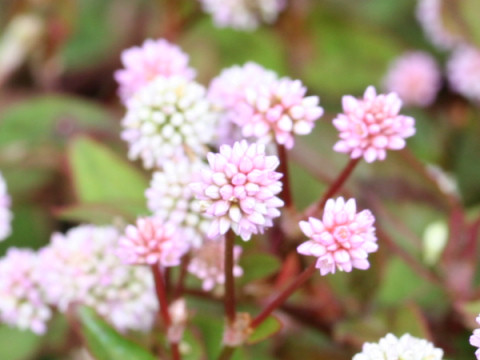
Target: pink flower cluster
277, 110
415, 77
143, 64
370, 126
239, 190
463, 71
475, 339
23, 303
342, 239
152, 241
229, 89
208, 263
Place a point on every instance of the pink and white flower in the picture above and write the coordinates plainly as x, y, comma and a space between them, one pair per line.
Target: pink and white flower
277, 110
342, 239
239, 190
144, 63
243, 14
415, 77
208, 263
23, 303
475, 339
152, 241
463, 72
5, 212
228, 90
371, 126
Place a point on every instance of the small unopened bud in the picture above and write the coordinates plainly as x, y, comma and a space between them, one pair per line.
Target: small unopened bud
179, 316
237, 332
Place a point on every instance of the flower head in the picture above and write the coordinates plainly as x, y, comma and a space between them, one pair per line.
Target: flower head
370, 126
243, 14
170, 198
415, 77
5, 213
82, 267
143, 64
239, 190
429, 14
463, 71
406, 348
22, 300
277, 110
168, 119
475, 339
228, 90
152, 241
208, 263
342, 239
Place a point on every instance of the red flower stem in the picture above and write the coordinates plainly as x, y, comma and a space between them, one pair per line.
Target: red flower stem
163, 305
161, 294
283, 296
229, 299
337, 184
181, 277
286, 193
226, 353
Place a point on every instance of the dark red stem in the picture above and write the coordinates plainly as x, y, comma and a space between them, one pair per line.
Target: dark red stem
286, 194
229, 280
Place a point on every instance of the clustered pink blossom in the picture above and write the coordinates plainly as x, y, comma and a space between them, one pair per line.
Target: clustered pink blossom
170, 199
415, 77
370, 126
277, 110
463, 71
208, 263
429, 14
143, 64
23, 303
5, 213
228, 90
475, 339
82, 267
239, 190
342, 239
243, 14
152, 241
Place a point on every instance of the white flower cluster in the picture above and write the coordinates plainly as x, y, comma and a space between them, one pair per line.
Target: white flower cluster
22, 301
405, 348
5, 213
170, 198
463, 70
168, 119
82, 267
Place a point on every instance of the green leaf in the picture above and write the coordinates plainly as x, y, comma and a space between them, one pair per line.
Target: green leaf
258, 266
268, 328
105, 343
98, 214
101, 176
16, 344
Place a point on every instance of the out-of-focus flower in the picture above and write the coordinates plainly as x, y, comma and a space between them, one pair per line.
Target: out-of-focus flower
228, 90
170, 198
208, 263
168, 119
22, 301
81, 267
277, 110
415, 77
370, 126
342, 239
429, 14
152, 241
475, 339
463, 71
239, 190
392, 348
243, 14
5, 213
143, 64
